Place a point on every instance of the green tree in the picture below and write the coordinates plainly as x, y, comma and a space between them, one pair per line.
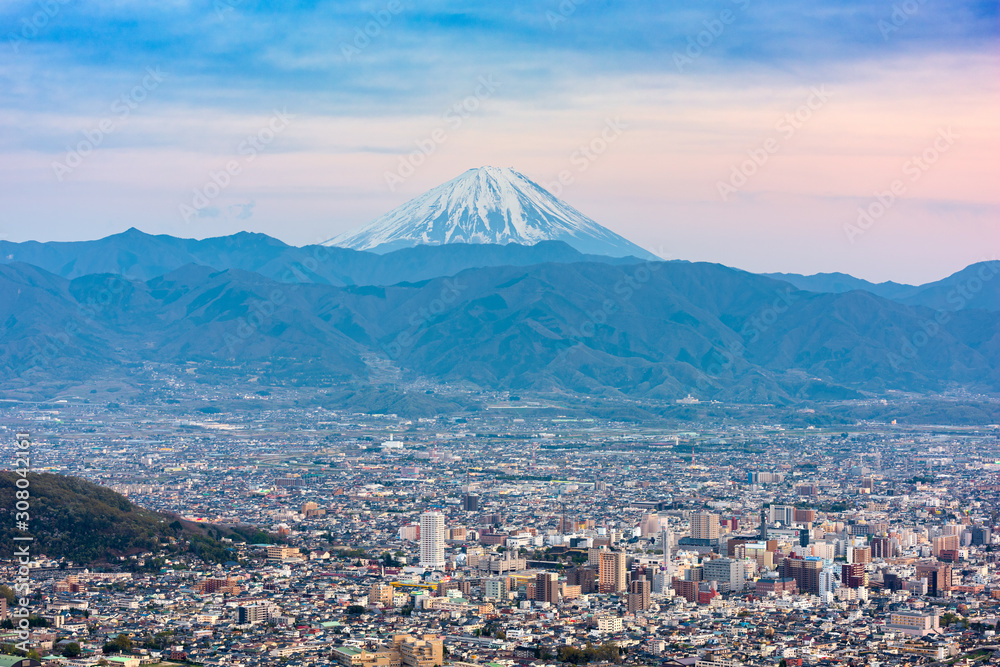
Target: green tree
71, 650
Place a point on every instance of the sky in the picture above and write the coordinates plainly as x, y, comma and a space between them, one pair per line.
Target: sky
792, 136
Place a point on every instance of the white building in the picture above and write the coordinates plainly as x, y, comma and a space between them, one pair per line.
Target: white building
432, 540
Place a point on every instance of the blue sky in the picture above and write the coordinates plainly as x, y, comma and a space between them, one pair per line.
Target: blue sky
161, 98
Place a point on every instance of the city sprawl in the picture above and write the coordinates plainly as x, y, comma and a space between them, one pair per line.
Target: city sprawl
516, 535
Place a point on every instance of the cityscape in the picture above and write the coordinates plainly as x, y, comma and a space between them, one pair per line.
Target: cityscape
513, 539
458, 333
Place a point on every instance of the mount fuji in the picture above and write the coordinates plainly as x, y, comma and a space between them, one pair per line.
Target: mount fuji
494, 205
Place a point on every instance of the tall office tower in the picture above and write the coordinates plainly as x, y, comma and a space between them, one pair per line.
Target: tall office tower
611, 572
649, 525
804, 537
704, 526
763, 524
584, 577
470, 502
729, 573
547, 587
638, 597
432, 540
667, 543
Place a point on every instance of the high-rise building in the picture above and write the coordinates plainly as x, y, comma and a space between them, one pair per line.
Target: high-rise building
470, 502
432, 540
807, 517
584, 577
945, 543
611, 572
638, 597
805, 571
704, 526
547, 587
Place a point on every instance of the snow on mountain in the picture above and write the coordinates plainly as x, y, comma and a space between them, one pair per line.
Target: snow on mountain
488, 205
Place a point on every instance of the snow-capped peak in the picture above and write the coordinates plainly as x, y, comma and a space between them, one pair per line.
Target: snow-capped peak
488, 205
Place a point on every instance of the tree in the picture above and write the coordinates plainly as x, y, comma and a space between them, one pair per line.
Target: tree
71, 650
120, 644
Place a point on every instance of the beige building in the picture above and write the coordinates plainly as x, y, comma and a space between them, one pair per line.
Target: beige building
381, 595
611, 573
425, 651
916, 623
405, 651
277, 552
704, 526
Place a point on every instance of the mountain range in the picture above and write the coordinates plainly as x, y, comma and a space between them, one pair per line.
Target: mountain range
487, 282
656, 330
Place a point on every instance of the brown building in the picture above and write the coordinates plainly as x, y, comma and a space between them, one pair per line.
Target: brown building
853, 575
638, 597
547, 587
805, 572
804, 516
225, 586
585, 578
938, 576
686, 589
881, 547
779, 586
